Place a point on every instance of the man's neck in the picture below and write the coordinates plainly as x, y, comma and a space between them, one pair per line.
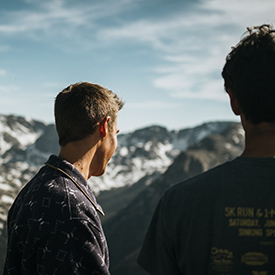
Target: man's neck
259, 140
80, 154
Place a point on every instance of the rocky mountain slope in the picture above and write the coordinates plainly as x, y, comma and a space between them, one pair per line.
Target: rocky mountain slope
126, 229
141, 158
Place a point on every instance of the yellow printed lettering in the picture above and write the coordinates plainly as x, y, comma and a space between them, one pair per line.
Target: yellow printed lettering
269, 213
243, 222
230, 212
270, 223
254, 258
270, 232
225, 253
259, 213
245, 212
250, 232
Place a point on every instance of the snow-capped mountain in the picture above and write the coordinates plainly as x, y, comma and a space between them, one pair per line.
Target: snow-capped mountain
149, 151
18, 137
28, 143
126, 228
141, 156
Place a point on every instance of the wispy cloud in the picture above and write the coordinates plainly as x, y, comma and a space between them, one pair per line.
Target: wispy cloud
152, 105
190, 43
3, 72
58, 16
6, 89
195, 44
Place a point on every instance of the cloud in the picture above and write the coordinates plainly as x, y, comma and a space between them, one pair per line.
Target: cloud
190, 42
245, 12
58, 16
4, 48
151, 105
3, 72
9, 89
194, 43
64, 24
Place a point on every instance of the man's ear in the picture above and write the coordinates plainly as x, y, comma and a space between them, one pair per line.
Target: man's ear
103, 126
234, 102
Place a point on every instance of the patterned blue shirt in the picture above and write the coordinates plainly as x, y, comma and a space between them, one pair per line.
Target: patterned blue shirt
53, 228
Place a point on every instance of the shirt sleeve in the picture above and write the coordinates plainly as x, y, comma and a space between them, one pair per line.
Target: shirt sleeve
76, 247
157, 255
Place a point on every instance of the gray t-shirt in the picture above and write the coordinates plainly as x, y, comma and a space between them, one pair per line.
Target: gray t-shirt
220, 222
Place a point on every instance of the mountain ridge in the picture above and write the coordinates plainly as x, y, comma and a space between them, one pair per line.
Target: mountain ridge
128, 226
141, 158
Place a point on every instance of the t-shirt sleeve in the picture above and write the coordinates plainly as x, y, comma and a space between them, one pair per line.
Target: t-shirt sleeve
74, 248
157, 255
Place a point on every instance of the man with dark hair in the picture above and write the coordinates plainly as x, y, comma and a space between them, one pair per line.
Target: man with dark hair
223, 221
53, 224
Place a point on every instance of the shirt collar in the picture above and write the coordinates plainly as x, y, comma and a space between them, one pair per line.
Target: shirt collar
68, 169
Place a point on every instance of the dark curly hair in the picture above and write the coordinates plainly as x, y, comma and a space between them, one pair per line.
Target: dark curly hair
80, 107
249, 72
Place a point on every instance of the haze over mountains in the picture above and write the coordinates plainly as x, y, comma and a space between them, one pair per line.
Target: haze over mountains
147, 162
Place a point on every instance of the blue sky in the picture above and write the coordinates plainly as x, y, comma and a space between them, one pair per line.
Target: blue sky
163, 57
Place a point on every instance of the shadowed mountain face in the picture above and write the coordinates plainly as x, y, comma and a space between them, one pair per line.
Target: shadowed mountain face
147, 162
126, 230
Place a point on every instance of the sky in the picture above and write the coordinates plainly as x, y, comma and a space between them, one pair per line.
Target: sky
164, 58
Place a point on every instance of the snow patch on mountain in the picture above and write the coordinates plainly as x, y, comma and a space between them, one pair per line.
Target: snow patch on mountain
13, 132
148, 151
26, 144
